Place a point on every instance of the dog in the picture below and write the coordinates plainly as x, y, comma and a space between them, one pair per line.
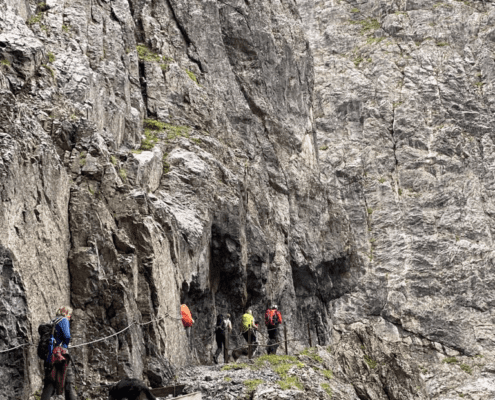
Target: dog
130, 389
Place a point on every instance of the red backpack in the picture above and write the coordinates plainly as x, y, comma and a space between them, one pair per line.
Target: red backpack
272, 317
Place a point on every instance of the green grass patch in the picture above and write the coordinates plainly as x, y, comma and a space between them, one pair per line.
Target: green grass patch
355, 10
192, 76
290, 382
50, 70
229, 367
227, 378
51, 57
323, 148
368, 25
82, 158
146, 54
371, 363
327, 373
166, 165
442, 44
369, 210
311, 352
5, 62
373, 40
149, 141
66, 28
357, 61
113, 160
466, 368
123, 174
450, 360
252, 384
35, 19
326, 387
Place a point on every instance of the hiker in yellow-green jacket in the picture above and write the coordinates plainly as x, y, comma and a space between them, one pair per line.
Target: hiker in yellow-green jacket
248, 324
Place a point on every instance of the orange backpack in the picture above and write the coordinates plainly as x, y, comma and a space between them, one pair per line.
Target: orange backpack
187, 320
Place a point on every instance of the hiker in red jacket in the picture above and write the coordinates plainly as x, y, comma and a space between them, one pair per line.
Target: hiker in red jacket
273, 319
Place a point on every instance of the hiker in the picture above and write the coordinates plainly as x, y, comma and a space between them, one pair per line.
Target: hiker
59, 377
187, 319
223, 328
273, 319
248, 324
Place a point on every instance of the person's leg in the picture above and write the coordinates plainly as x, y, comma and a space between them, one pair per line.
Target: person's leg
219, 348
47, 390
275, 341
70, 393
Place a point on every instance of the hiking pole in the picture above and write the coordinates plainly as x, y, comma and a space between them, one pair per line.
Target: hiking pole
75, 369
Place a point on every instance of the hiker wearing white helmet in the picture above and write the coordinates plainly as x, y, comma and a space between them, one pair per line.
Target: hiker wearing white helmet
273, 319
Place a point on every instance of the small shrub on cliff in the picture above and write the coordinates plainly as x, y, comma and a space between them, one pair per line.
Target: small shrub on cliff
113, 160
5, 62
450, 360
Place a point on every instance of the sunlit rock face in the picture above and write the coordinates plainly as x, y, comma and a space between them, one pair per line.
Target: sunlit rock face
329, 157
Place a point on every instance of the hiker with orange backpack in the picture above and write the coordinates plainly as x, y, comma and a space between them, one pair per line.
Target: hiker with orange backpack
187, 319
273, 318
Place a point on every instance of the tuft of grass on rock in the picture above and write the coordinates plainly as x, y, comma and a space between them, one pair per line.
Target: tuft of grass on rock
51, 57
123, 174
192, 76
311, 352
290, 382
166, 165
326, 387
252, 384
466, 368
146, 54
229, 367
113, 160
450, 360
371, 363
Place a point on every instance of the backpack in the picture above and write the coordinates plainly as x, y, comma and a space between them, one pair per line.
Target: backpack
46, 332
187, 320
271, 317
221, 325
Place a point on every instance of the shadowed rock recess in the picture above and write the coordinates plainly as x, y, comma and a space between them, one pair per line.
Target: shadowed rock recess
336, 158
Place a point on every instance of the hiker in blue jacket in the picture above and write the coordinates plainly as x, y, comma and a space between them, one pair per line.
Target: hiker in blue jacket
59, 377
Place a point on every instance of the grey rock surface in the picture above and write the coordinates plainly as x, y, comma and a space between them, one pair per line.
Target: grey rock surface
332, 157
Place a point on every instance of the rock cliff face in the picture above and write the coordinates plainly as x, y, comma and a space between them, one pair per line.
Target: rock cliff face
332, 157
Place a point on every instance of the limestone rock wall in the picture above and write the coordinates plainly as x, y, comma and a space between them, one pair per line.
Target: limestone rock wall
331, 157
174, 147
403, 105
